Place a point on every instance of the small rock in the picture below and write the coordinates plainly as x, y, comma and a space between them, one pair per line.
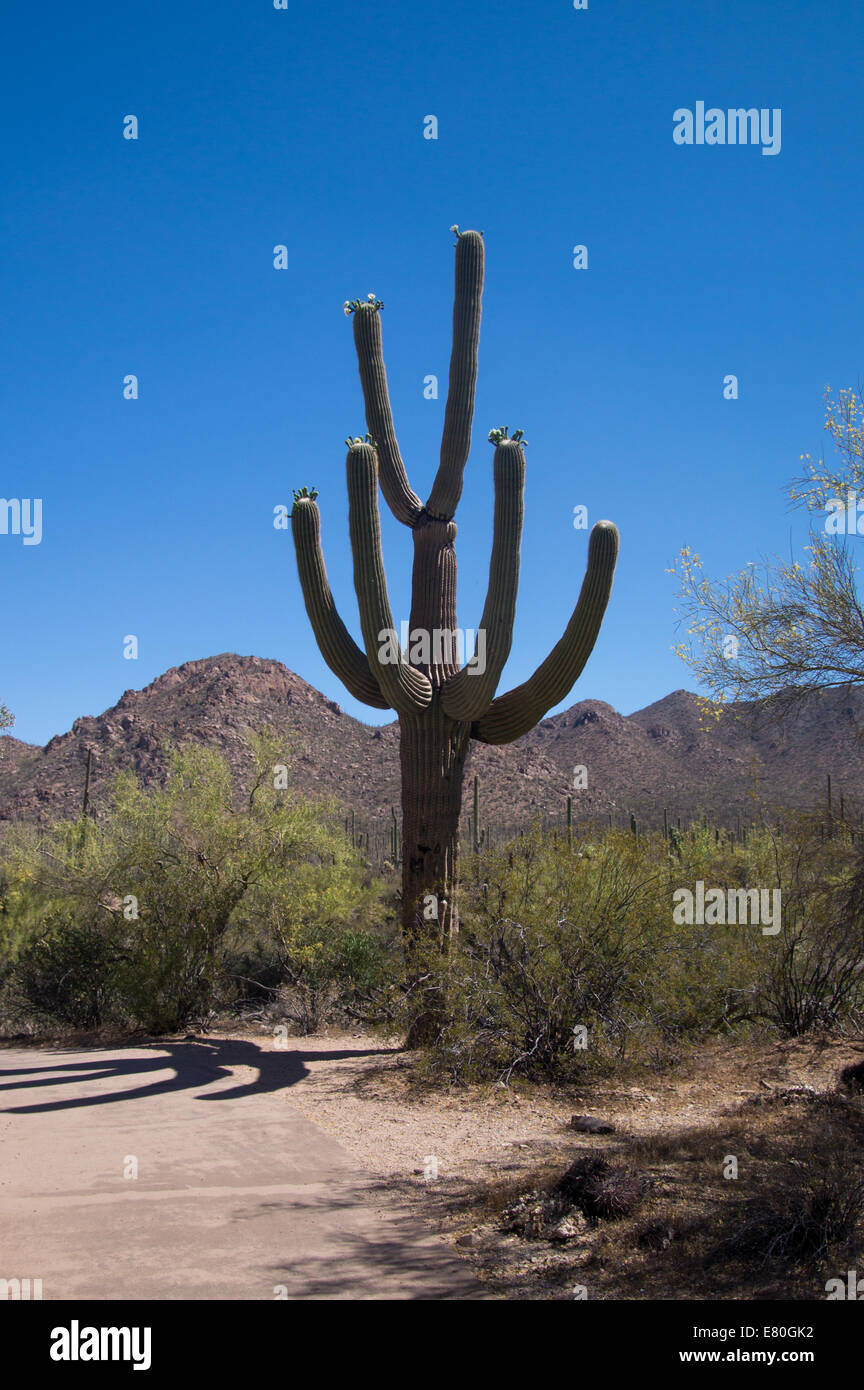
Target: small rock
570, 1227
526, 1216
587, 1124
789, 1088
793, 1093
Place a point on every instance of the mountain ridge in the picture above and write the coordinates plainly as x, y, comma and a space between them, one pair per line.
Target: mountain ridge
669, 754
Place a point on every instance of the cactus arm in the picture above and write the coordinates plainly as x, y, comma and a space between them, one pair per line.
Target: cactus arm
400, 497
405, 688
513, 714
458, 415
468, 693
335, 643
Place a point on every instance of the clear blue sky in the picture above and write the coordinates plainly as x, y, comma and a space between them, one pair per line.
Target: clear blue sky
305, 127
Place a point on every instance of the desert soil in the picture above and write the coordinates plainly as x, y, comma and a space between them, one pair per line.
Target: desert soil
461, 1156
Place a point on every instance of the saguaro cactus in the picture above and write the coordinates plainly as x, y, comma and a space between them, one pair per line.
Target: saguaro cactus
440, 705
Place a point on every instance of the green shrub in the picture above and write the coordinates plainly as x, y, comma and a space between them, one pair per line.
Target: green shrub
809, 1211
554, 937
142, 917
66, 975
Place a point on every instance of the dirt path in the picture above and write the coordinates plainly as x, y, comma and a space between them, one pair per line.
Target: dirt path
238, 1195
771, 1103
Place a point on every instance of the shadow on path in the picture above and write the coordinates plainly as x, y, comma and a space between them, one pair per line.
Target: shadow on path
192, 1064
392, 1252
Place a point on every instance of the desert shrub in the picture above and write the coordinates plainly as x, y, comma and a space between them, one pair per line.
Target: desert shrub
852, 1078
809, 1210
141, 917
65, 973
181, 902
324, 938
553, 937
549, 942
817, 977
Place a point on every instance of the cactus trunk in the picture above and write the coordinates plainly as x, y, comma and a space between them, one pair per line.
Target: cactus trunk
432, 753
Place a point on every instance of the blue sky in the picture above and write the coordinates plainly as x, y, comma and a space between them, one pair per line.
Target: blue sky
259, 127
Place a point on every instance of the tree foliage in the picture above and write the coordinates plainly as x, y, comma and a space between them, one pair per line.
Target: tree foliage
142, 917
780, 630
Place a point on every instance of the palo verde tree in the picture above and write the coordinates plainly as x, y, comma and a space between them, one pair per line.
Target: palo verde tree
441, 705
779, 631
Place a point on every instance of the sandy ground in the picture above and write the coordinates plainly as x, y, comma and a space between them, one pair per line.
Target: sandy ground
367, 1101
451, 1154
444, 1164
178, 1170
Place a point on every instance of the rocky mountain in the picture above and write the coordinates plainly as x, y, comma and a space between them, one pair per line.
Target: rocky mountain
668, 755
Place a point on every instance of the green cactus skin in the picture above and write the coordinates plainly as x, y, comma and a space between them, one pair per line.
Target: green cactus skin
440, 707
